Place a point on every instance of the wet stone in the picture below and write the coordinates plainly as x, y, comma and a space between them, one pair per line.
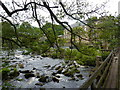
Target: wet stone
54, 73
80, 76
60, 70
57, 76
34, 68
47, 66
43, 78
65, 71
40, 84
14, 61
21, 65
55, 79
28, 75
57, 67
72, 78
13, 65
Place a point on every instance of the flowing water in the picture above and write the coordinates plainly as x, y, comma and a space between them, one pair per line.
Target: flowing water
42, 66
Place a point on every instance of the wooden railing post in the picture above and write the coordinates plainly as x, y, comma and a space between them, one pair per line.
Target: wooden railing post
91, 82
98, 61
118, 69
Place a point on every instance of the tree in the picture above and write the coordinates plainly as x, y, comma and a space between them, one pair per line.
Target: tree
8, 35
58, 29
104, 31
73, 11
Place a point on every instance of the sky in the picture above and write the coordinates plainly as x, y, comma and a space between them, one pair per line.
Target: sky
111, 6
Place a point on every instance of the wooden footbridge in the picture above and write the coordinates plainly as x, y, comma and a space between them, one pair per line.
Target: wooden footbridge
107, 75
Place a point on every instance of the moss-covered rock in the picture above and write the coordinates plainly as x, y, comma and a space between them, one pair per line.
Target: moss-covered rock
57, 67
43, 78
5, 73
69, 74
65, 71
14, 73
8, 73
60, 70
75, 70
80, 76
21, 65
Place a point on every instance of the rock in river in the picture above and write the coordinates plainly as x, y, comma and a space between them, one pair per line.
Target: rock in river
28, 75
55, 79
47, 66
80, 76
43, 78
21, 65
40, 84
60, 70
57, 67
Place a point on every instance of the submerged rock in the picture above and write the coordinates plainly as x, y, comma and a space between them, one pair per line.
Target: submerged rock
72, 78
37, 74
26, 71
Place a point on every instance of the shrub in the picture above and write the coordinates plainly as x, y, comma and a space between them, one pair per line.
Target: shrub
104, 55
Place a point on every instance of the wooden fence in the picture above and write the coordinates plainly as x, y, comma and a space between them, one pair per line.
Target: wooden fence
99, 77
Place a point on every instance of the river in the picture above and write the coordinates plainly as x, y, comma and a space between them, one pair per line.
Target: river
42, 66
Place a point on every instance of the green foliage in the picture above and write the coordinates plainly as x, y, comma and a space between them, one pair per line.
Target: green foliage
105, 55
70, 54
7, 30
88, 60
5, 64
7, 86
5, 73
61, 41
58, 29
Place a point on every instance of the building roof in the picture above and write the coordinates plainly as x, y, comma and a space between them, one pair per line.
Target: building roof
76, 24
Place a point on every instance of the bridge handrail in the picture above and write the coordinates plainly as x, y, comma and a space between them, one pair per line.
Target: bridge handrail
97, 72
